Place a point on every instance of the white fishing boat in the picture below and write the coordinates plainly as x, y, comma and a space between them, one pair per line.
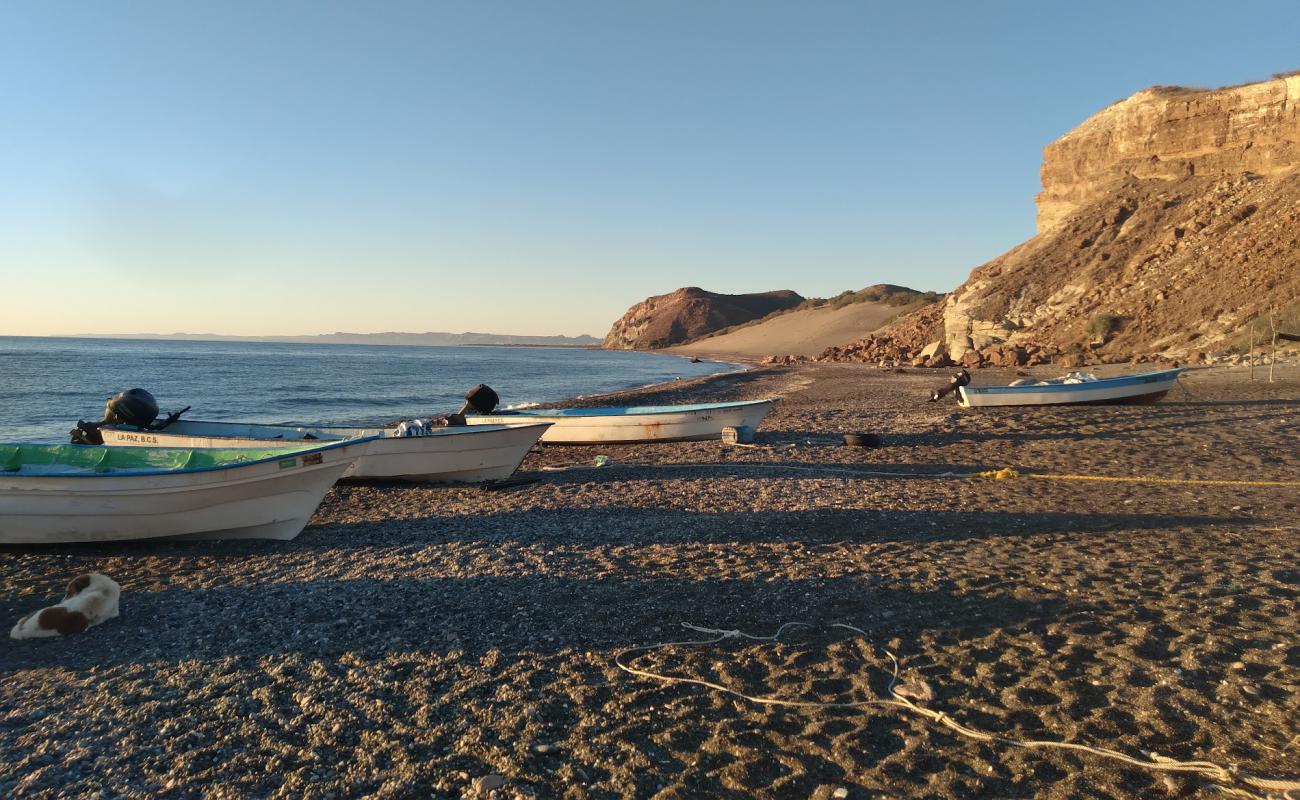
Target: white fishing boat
81, 493
1145, 387
627, 424
455, 454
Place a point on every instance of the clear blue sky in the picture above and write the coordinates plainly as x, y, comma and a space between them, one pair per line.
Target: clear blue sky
531, 167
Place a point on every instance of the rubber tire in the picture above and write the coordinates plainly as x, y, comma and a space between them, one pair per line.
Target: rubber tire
862, 440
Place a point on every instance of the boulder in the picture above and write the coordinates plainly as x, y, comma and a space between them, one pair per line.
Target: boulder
932, 349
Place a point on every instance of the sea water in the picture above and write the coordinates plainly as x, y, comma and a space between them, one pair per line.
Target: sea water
48, 384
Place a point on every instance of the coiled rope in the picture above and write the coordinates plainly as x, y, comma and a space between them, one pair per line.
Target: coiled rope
1228, 781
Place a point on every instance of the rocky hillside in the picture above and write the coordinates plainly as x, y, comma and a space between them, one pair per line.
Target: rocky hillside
816, 324
689, 313
1167, 222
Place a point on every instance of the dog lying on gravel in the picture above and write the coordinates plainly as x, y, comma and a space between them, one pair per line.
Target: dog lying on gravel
91, 599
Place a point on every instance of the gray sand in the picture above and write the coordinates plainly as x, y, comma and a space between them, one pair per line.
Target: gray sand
415, 639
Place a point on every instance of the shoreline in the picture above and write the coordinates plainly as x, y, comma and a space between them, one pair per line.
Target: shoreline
673, 387
341, 386
415, 639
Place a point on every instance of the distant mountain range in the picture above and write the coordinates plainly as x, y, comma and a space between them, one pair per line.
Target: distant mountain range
428, 339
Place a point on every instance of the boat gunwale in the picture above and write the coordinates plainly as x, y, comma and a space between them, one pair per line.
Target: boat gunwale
133, 473
450, 430
593, 411
1136, 379
289, 443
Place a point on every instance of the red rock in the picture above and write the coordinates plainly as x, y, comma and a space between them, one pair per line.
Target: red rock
691, 312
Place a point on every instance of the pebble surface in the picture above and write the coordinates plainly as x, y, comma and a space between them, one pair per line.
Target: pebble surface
449, 642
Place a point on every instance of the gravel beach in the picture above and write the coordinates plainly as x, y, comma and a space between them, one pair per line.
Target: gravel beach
460, 642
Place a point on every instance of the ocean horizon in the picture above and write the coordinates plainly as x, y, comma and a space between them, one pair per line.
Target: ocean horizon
47, 384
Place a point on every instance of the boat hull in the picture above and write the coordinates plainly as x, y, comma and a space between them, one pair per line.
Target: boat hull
637, 424
1138, 389
448, 455
270, 499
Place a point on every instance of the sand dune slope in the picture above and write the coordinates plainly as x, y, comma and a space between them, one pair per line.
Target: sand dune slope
806, 332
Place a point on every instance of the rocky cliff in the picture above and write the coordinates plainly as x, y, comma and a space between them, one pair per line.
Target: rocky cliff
1166, 222
689, 313
1165, 134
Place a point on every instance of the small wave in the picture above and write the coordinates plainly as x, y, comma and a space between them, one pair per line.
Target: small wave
345, 401
50, 384
651, 385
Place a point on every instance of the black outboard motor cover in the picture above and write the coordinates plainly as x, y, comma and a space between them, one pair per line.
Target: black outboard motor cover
962, 378
482, 399
134, 407
86, 433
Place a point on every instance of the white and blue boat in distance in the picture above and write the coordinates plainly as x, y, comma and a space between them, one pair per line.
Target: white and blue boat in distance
634, 424
54, 494
1141, 388
441, 455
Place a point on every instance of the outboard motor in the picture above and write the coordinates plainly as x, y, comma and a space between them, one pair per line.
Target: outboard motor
136, 408
962, 378
481, 399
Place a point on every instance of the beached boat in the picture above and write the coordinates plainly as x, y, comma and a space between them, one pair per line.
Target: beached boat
1145, 387
79, 493
627, 424
455, 454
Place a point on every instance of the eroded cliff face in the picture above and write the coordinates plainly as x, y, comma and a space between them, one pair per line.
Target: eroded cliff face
1153, 268
688, 313
1169, 133
1166, 222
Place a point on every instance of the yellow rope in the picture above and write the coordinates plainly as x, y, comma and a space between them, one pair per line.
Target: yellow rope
1007, 473
1004, 474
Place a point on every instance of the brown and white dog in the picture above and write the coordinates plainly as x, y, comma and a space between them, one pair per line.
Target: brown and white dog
91, 599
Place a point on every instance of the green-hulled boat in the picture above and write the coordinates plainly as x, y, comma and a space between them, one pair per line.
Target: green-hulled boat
78, 493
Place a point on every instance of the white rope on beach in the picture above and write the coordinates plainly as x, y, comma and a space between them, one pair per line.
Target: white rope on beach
1227, 780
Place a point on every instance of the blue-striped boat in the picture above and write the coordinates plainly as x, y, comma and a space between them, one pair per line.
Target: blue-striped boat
1144, 387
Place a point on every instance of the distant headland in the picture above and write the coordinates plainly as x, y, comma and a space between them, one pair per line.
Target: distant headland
427, 339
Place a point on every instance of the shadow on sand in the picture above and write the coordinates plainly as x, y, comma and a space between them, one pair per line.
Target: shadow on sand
534, 614
632, 526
